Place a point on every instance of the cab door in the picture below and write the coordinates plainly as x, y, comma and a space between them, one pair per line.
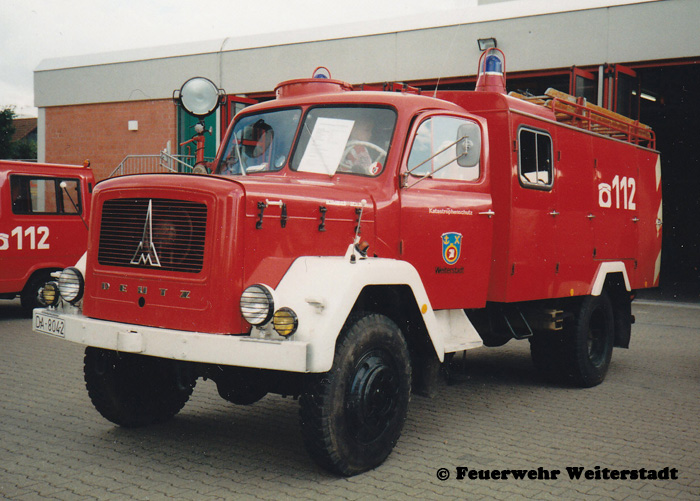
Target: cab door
446, 210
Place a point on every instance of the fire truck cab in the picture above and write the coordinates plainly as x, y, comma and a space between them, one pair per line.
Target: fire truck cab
349, 242
43, 210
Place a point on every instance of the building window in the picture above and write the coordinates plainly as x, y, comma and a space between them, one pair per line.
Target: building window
535, 166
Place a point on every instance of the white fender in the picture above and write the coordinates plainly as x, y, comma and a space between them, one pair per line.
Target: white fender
603, 270
323, 290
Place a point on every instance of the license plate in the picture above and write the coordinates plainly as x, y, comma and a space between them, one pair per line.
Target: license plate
49, 325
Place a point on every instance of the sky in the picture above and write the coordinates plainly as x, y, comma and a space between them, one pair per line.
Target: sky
34, 30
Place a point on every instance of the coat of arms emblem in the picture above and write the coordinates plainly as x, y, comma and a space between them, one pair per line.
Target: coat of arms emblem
451, 247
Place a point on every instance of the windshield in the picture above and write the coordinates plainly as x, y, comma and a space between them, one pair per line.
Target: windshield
344, 139
259, 142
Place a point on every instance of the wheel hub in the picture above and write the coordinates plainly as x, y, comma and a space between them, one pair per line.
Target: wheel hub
371, 396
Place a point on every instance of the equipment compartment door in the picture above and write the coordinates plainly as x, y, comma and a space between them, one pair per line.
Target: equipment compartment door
535, 213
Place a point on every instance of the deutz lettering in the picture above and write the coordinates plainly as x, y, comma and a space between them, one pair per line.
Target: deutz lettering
143, 290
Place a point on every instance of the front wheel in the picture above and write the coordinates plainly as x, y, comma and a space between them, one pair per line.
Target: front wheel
352, 416
136, 390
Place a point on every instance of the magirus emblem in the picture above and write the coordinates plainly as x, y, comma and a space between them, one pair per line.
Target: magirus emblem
146, 252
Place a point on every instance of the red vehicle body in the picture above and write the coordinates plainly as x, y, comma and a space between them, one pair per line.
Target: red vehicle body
41, 229
343, 266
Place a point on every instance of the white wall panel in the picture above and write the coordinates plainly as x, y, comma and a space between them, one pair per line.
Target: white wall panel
627, 33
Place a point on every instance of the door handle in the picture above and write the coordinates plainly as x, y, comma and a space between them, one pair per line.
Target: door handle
554, 213
488, 213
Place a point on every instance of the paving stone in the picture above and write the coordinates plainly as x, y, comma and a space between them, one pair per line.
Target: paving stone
497, 414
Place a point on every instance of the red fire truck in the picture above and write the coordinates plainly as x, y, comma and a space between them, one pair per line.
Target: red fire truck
43, 214
348, 242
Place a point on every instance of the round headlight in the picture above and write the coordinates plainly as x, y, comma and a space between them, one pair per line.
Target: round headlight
71, 285
257, 304
285, 322
49, 294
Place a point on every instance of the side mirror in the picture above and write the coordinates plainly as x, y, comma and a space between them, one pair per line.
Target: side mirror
468, 145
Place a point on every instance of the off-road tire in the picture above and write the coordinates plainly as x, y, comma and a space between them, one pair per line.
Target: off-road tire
352, 416
589, 343
135, 390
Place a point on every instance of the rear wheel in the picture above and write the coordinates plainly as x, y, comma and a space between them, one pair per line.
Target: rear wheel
135, 390
352, 416
588, 346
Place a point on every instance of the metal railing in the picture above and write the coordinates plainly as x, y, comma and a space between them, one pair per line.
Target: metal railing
148, 164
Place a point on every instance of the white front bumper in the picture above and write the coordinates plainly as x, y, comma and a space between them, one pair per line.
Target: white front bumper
242, 351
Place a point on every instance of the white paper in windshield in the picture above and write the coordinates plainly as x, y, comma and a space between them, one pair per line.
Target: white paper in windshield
326, 145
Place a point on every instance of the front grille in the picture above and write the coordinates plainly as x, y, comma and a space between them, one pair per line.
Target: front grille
153, 233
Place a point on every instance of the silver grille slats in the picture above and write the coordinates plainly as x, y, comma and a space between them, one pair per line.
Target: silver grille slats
154, 233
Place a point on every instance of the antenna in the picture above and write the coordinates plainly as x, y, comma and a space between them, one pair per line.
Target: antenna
447, 56
359, 210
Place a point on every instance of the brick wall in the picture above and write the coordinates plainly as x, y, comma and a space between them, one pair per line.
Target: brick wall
99, 132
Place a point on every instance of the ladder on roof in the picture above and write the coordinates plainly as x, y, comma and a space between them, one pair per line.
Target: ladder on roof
582, 114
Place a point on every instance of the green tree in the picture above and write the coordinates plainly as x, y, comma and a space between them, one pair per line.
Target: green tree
7, 129
23, 150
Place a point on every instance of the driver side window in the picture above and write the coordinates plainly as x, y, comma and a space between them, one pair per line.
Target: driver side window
446, 148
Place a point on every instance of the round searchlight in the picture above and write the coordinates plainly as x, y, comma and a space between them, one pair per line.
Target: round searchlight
199, 96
